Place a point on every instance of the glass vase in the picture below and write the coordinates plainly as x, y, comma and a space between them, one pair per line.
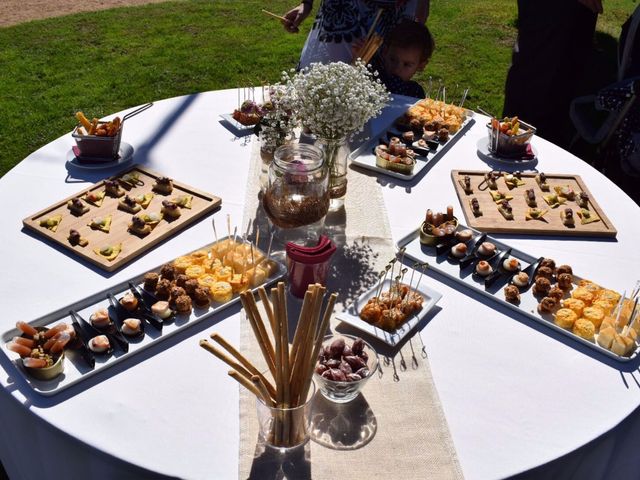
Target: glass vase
335, 151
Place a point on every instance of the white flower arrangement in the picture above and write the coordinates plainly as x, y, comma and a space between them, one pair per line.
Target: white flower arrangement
335, 100
277, 123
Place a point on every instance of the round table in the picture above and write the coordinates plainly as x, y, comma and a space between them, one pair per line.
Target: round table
514, 397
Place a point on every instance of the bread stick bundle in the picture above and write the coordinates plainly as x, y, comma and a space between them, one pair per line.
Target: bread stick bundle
290, 367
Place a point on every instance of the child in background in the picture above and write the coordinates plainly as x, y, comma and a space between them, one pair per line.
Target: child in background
406, 50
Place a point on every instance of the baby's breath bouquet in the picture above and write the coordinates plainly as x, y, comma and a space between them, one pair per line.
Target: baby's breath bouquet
335, 101
276, 125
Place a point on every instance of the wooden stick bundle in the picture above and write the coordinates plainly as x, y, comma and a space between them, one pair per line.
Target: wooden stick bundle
291, 367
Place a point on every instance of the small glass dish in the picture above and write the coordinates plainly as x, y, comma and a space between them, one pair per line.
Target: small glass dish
345, 391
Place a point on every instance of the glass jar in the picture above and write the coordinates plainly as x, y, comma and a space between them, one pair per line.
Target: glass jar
297, 193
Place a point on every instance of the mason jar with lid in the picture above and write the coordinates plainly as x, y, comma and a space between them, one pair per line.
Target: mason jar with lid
297, 195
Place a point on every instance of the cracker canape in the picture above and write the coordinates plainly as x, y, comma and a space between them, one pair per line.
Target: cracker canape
51, 223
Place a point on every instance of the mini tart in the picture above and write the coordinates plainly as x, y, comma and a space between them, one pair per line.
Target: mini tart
553, 200
581, 293
100, 223
221, 292
534, 214
207, 280
594, 314
199, 257
182, 263
541, 180
161, 309
608, 295
51, 223
110, 252
587, 216
129, 204
604, 305
575, 305
565, 318
170, 209
95, 198
163, 185
194, 271
584, 328
499, 197
144, 199
183, 201
588, 285
224, 274
239, 282
76, 207
75, 238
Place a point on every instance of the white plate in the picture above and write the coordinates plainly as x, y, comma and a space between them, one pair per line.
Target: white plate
238, 129
488, 157
351, 317
125, 155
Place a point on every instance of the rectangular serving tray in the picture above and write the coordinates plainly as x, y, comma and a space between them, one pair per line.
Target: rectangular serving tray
132, 245
493, 221
364, 157
528, 305
76, 370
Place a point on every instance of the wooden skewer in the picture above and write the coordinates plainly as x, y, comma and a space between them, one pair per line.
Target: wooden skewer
243, 360
274, 15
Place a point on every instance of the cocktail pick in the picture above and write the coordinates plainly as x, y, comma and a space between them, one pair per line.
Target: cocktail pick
402, 250
464, 97
215, 234
270, 244
229, 225
381, 275
632, 319
636, 290
246, 233
619, 308
424, 266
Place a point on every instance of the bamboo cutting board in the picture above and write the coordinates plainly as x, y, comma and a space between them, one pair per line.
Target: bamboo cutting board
132, 245
551, 224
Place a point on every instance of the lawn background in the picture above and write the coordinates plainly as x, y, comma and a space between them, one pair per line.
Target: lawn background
106, 61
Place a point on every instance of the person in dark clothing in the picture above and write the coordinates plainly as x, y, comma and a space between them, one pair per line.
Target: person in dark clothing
555, 40
406, 51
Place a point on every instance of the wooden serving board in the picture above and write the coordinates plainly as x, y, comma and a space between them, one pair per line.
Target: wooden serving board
551, 224
132, 245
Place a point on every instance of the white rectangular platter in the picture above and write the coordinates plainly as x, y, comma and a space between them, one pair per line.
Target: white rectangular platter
76, 369
528, 305
352, 318
364, 157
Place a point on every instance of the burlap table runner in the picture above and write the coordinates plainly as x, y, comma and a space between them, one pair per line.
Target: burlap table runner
397, 428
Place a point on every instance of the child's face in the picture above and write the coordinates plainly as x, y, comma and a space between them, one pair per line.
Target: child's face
402, 62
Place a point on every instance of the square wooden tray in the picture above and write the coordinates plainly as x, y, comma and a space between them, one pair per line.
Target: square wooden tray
493, 221
132, 245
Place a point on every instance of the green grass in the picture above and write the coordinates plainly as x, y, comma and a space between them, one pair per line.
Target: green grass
106, 61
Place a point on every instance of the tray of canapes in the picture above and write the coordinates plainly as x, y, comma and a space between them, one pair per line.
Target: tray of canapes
537, 287
420, 136
73, 343
117, 219
393, 307
530, 203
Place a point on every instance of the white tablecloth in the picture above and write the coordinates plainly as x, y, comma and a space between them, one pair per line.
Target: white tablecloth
514, 396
